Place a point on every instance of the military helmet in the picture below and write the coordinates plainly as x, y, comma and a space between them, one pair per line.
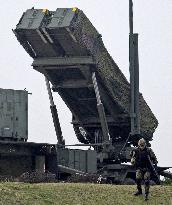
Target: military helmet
142, 143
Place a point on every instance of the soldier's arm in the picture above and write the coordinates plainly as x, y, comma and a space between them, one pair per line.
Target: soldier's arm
153, 156
132, 153
133, 157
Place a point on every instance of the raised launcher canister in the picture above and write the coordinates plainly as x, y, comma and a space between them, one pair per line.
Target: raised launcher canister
69, 51
13, 115
67, 48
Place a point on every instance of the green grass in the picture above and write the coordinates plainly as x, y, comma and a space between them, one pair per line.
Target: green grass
79, 194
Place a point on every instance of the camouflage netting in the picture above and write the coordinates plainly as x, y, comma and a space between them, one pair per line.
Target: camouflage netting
118, 86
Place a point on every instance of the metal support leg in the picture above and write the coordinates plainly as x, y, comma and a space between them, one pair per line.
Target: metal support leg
54, 115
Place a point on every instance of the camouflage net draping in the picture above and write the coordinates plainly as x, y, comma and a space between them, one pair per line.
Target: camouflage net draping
112, 77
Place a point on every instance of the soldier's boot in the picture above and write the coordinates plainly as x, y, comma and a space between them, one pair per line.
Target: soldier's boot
147, 186
139, 188
146, 196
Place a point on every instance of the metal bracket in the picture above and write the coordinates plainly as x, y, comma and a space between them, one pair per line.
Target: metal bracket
63, 61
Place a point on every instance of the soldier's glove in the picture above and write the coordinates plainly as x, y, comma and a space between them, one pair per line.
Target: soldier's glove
133, 160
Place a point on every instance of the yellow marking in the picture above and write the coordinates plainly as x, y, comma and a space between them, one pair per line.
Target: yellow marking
75, 9
45, 11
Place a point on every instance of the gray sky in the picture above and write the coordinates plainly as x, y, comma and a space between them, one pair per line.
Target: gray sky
153, 22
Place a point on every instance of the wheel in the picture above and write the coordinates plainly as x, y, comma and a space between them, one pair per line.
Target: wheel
129, 181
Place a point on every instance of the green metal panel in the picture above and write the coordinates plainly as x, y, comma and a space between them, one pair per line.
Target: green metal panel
14, 114
83, 161
71, 162
62, 18
91, 161
32, 19
63, 156
77, 159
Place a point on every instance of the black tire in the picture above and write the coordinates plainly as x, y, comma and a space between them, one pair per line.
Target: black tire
129, 181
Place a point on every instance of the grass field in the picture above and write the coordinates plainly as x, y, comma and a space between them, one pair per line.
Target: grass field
79, 194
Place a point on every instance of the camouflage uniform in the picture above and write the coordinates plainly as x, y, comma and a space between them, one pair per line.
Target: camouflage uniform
139, 158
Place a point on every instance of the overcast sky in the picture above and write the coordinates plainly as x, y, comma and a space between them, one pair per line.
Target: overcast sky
153, 22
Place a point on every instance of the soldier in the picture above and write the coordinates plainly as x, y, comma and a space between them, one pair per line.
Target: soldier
140, 159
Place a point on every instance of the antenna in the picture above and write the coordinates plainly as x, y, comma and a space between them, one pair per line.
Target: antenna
134, 75
131, 16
